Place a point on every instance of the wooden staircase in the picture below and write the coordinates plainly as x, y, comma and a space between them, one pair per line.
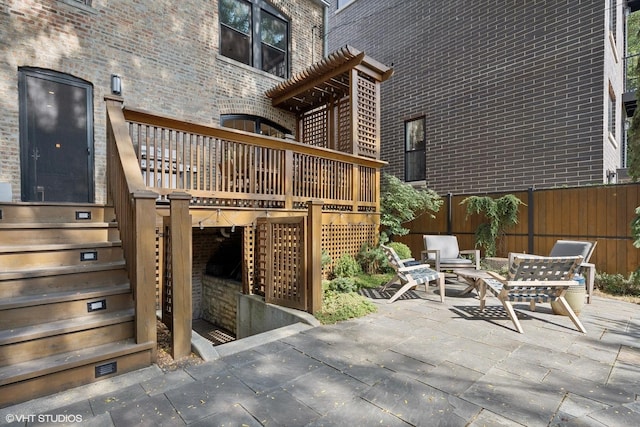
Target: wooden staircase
66, 306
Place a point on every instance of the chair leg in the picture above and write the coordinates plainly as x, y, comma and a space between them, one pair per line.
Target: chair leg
572, 315
591, 277
512, 314
401, 291
441, 285
389, 283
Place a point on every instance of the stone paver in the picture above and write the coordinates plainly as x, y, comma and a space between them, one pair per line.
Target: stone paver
416, 362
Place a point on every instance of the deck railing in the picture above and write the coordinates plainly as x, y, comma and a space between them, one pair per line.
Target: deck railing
226, 167
132, 202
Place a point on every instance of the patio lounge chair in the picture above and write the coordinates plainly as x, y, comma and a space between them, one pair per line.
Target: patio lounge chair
410, 275
575, 248
534, 279
444, 253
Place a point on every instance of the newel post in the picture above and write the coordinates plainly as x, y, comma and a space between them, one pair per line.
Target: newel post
144, 276
180, 229
314, 256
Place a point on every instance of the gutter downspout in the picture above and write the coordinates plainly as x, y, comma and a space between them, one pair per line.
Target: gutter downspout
325, 24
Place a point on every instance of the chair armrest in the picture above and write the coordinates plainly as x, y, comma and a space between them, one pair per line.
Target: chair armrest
496, 276
540, 283
413, 267
475, 253
436, 252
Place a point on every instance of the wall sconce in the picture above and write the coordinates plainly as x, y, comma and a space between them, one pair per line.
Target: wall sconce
611, 177
116, 84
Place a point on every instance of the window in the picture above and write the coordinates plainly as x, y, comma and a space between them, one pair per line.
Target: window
343, 3
613, 11
256, 34
414, 150
612, 112
253, 124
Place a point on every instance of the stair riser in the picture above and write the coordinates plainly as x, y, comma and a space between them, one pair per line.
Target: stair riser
46, 214
44, 236
30, 350
27, 316
62, 283
12, 394
25, 260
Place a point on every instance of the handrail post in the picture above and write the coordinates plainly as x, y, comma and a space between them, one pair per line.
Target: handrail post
288, 179
355, 195
144, 280
314, 256
180, 228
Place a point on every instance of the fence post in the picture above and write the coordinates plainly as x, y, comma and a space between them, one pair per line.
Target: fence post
314, 256
530, 213
449, 213
180, 228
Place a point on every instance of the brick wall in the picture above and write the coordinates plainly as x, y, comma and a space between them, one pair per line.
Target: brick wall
165, 51
220, 302
209, 243
513, 92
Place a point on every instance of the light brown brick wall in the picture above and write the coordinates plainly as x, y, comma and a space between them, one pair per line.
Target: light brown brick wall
166, 52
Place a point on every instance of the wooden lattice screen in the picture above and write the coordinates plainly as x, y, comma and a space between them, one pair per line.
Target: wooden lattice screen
315, 127
167, 288
339, 239
367, 124
343, 109
281, 261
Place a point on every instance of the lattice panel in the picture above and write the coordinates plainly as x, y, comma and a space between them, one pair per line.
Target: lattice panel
286, 274
338, 239
167, 288
367, 114
261, 242
314, 127
344, 143
249, 245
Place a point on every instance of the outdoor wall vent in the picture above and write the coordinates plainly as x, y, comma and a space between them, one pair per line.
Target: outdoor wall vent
89, 256
83, 215
106, 369
97, 305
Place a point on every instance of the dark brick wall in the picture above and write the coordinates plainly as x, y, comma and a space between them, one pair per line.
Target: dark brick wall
512, 90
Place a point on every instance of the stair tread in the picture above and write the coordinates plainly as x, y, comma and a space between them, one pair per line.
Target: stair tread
65, 269
63, 296
63, 361
43, 225
58, 246
16, 335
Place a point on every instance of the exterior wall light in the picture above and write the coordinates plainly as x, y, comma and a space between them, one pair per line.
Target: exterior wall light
116, 84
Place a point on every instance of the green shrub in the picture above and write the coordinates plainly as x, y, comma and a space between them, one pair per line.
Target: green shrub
325, 258
617, 284
347, 266
369, 281
372, 259
343, 284
401, 249
401, 202
337, 306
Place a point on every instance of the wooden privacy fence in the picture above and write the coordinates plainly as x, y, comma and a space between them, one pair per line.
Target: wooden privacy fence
595, 213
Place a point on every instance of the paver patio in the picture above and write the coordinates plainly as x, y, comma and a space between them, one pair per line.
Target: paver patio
414, 362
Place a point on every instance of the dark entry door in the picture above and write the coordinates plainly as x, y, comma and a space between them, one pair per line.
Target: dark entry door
56, 137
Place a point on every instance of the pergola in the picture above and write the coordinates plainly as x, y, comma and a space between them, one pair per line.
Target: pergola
337, 102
